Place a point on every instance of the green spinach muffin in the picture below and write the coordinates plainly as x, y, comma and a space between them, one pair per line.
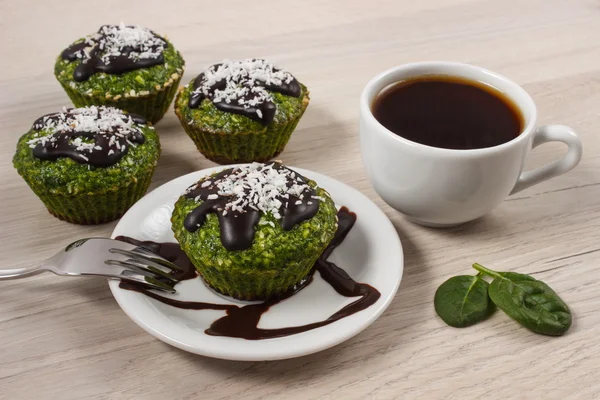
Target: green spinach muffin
255, 231
126, 67
88, 165
241, 111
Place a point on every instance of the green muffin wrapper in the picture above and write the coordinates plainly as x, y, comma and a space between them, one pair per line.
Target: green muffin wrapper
254, 284
94, 208
233, 148
152, 106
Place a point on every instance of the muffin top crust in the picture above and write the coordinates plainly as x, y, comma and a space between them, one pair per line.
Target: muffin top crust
115, 49
241, 196
91, 149
98, 136
119, 61
243, 87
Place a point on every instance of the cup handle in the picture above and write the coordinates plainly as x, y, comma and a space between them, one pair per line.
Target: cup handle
552, 133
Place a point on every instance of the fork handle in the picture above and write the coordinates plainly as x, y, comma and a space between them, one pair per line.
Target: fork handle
16, 273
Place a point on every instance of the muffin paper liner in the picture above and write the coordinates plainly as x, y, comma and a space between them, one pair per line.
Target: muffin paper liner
94, 208
232, 148
254, 284
152, 106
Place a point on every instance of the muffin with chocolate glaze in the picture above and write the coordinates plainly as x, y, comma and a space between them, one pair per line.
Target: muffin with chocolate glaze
241, 111
88, 165
126, 67
254, 231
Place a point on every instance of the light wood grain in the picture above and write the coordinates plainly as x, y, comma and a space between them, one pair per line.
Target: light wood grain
67, 338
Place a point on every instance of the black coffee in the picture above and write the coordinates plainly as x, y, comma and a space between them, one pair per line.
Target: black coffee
448, 112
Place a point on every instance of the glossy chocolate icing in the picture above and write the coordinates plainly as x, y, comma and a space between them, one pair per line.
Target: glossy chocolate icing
109, 145
238, 227
94, 61
250, 104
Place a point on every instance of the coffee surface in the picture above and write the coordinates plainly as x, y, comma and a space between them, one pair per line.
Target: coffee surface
448, 112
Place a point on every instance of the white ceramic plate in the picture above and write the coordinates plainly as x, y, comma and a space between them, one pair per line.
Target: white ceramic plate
371, 253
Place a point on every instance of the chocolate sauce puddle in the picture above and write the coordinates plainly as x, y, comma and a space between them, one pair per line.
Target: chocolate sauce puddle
242, 322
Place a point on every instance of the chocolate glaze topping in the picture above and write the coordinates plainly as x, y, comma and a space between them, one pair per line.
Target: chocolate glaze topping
238, 197
242, 322
116, 49
241, 87
109, 131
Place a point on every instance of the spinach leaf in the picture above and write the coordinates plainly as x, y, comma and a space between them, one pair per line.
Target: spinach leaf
463, 300
530, 302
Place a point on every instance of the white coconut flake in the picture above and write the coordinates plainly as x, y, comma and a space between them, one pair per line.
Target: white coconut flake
265, 222
259, 187
112, 39
107, 121
245, 82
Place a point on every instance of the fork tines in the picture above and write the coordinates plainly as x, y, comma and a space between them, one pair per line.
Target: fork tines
154, 270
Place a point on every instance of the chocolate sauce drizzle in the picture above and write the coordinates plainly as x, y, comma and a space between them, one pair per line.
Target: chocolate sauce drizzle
249, 104
238, 227
109, 146
242, 322
170, 252
94, 61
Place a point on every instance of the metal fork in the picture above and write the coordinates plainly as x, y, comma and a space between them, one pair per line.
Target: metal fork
109, 258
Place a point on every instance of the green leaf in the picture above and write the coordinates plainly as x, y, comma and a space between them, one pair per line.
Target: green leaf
463, 301
530, 302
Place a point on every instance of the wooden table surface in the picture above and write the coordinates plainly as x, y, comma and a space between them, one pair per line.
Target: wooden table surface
67, 338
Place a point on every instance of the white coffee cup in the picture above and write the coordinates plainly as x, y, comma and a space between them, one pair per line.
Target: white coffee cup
443, 187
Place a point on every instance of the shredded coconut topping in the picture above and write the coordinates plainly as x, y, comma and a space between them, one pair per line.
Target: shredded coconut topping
266, 222
242, 81
111, 40
259, 187
108, 121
